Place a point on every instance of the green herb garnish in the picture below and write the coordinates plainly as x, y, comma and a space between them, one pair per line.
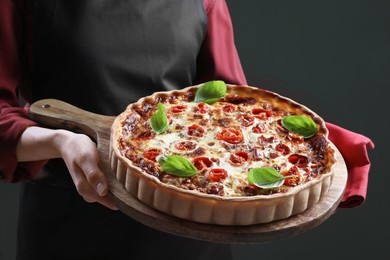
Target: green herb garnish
266, 178
300, 124
177, 165
211, 92
159, 120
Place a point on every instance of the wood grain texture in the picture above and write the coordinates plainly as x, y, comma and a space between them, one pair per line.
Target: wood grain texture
58, 114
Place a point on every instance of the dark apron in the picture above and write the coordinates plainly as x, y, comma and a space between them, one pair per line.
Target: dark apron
101, 55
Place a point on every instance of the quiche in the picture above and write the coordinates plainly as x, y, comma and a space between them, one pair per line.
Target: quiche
222, 154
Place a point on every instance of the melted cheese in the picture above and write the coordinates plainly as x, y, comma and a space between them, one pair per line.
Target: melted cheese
221, 151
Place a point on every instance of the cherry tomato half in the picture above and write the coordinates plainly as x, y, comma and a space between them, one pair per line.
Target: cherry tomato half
196, 130
261, 113
230, 135
298, 160
218, 174
202, 163
152, 153
239, 158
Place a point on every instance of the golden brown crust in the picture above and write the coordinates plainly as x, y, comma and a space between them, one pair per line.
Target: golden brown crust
209, 208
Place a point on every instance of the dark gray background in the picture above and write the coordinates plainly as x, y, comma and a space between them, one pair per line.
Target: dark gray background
334, 57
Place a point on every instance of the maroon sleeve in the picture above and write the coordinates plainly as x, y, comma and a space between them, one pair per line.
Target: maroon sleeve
354, 149
218, 58
13, 118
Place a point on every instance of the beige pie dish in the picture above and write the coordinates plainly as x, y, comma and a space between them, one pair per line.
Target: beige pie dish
213, 209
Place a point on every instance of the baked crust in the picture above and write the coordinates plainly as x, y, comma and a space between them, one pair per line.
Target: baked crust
214, 209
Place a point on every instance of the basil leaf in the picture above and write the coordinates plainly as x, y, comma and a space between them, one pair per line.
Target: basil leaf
159, 121
211, 92
300, 124
177, 165
266, 178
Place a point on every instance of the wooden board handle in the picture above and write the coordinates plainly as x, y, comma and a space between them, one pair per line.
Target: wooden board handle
58, 114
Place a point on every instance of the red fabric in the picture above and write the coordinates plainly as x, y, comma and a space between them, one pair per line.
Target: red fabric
354, 149
218, 57
13, 119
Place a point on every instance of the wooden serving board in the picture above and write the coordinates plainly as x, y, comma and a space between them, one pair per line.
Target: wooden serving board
57, 114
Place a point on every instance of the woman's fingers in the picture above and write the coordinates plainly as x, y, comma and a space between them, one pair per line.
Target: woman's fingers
87, 185
81, 157
94, 176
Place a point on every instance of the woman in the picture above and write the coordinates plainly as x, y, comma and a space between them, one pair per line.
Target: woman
99, 56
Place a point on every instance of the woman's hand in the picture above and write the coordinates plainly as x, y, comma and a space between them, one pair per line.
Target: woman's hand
82, 158
79, 153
